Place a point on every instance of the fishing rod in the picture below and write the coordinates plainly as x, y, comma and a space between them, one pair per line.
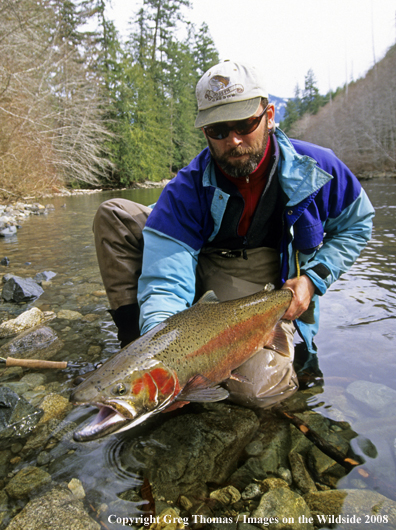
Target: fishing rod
34, 363
40, 364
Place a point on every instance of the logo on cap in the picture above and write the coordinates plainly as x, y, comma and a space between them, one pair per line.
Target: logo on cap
220, 89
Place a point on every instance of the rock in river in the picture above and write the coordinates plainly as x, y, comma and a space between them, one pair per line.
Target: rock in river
40, 342
379, 398
57, 509
24, 321
17, 417
18, 290
26, 481
190, 450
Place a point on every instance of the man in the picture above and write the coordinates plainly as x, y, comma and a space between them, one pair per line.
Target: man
254, 207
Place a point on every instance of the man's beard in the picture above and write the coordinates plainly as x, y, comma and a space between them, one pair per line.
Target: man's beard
240, 168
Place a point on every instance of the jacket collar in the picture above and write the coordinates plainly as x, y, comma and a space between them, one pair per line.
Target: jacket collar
299, 175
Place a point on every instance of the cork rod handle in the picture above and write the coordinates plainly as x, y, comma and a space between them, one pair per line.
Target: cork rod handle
35, 363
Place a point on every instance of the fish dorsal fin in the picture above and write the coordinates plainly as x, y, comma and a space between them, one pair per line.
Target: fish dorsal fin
208, 298
278, 341
200, 388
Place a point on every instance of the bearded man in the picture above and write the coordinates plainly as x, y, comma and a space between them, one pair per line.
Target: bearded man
253, 208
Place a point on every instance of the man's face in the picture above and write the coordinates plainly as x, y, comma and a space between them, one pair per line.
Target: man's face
239, 155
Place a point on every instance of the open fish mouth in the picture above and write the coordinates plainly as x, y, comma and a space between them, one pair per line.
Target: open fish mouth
108, 420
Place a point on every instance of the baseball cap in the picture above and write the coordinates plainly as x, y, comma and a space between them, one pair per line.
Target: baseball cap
228, 92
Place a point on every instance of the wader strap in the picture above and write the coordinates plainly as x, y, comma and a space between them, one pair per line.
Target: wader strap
230, 275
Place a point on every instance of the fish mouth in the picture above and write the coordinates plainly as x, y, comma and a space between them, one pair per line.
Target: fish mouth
107, 421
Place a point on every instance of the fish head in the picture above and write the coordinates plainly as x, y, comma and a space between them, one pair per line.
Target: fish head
124, 398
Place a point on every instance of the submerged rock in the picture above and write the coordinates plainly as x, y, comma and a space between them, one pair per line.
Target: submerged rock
168, 519
321, 502
54, 406
300, 473
17, 417
67, 314
26, 481
252, 491
57, 509
190, 450
76, 487
323, 466
44, 276
40, 342
373, 509
227, 495
281, 509
379, 398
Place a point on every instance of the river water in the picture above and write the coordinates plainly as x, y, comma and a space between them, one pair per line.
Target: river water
356, 342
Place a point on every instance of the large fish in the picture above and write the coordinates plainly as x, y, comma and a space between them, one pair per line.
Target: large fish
182, 359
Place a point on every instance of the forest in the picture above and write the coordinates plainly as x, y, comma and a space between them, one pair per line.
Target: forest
81, 106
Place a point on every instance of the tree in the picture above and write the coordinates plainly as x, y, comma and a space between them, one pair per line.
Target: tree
359, 124
78, 105
311, 99
204, 50
154, 104
49, 97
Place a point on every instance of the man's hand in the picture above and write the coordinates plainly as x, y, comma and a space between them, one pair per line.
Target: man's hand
303, 291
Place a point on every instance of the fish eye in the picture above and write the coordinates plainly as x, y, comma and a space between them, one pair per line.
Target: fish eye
119, 390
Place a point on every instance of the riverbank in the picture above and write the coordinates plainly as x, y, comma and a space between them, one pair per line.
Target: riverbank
14, 212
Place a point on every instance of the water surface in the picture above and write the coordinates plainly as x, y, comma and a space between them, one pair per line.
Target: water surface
356, 341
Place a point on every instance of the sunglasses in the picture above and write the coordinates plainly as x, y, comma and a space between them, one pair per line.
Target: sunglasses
220, 131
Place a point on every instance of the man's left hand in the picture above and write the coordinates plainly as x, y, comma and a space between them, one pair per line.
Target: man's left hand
303, 290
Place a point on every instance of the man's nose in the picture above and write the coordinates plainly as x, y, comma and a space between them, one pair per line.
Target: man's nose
234, 139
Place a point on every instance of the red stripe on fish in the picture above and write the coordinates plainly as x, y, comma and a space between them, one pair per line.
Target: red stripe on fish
252, 340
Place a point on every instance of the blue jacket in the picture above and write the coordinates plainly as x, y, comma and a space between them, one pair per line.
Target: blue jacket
327, 218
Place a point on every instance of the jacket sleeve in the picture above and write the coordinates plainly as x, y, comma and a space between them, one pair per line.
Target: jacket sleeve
167, 282
345, 236
175, 232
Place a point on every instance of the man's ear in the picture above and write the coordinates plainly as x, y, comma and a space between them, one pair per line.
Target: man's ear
271, 116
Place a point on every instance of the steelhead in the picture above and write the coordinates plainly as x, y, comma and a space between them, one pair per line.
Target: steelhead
182, 359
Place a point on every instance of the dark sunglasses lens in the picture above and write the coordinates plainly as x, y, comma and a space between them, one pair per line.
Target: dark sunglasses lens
220, 131
217, 132
247, 126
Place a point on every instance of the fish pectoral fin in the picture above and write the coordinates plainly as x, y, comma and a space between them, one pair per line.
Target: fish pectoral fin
208, 298
278, 341
200, 388
215, 393
239, 377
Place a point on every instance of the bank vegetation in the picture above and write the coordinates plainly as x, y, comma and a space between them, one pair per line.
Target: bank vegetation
359, 122
81, 106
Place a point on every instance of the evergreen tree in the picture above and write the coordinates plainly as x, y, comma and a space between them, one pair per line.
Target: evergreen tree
292, 110
184, 138
204, 50
311, 100
291, 114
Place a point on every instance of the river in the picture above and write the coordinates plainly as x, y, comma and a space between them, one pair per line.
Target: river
356, 341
